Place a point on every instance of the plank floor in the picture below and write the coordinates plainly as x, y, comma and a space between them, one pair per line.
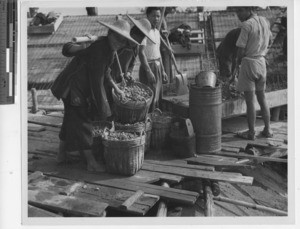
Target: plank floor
269, 180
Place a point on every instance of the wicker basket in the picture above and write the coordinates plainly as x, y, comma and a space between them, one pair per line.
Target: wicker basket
124, 157
97, 147
136, 128
132, 111
161, 126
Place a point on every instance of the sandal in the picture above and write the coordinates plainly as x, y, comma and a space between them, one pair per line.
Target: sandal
246, 135
266, 134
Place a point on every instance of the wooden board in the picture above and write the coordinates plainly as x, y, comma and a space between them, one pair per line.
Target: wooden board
45, 29
114, 197
181, 165
192, 173
180, 104
252, 157
45, 120
71, 205
38, 212
78, 170
196, 49
173, 195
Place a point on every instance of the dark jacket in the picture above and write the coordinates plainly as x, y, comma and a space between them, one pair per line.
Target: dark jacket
84, 76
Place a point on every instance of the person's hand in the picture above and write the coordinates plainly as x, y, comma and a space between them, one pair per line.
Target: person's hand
151, 77
165, 77
233, 78
128, 77
120, 93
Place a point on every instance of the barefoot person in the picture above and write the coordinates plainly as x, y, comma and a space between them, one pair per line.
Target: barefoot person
81, 87
152, 71
253, 42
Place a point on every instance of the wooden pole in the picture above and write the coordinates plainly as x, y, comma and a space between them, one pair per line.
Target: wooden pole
275, 112
250, 205
34, 108
162, 207
209, 203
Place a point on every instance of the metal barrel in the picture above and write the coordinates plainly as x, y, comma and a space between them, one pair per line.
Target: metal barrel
206, 116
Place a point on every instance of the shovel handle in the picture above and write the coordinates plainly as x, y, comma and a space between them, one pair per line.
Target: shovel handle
120, 68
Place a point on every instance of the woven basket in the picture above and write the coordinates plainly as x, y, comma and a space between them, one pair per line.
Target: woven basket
161, 126
132, 111
137, 128
124, 157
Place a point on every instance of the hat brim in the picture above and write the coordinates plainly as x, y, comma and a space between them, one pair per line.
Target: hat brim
141, 27
119, 31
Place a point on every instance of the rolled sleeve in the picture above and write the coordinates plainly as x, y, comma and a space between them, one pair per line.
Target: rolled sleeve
243, 38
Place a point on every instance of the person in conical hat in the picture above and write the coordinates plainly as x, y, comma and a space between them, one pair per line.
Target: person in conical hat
81, 87
127, 55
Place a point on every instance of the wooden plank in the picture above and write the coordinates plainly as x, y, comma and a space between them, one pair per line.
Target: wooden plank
196, 49
112, 196
38, 212
168, 194
159, 176
116, 196
35, 128
249, 156
130, 201
203, 160
71, 205
181, 165
192, 173
49, 166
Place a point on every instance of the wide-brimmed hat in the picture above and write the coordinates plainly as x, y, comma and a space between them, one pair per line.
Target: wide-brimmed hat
121, 27
144, 25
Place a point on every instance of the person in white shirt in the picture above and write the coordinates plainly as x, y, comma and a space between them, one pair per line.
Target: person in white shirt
253, 43
152, 72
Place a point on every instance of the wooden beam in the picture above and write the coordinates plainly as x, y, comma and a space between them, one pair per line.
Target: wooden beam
168, 194
38, 212
258, 158
251, 205
192, 173
71, 205
181, 165
162, 206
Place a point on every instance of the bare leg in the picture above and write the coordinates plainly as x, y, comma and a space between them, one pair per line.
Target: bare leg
251, 113
92, 164
261, 98
62, 154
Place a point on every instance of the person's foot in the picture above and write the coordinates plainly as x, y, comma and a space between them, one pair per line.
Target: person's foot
61, 157
266, 133
248, 135
95, 167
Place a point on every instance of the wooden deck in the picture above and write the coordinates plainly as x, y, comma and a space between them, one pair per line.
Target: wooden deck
253, 182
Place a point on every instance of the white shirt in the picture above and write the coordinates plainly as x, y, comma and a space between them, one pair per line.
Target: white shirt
255, 36
152, 51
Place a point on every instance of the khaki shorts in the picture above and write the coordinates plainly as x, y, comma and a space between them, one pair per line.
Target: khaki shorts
252, 75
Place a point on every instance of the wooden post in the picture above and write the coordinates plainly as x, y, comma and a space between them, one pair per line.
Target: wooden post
162, 207
275, 114
34, 108
251, 205
209, 203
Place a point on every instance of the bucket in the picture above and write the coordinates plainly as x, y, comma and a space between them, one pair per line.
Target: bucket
206, 79
183, 146
206, 116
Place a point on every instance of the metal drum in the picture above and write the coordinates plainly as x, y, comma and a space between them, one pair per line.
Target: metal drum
206, 116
